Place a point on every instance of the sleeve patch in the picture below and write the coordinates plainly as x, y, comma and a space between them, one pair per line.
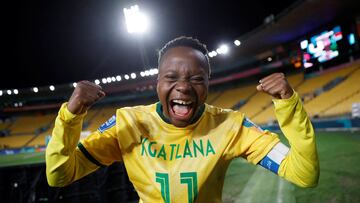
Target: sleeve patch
274, 158
249, 124
108, 124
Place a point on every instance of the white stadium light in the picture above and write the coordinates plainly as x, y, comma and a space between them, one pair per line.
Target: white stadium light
8, 92
133, 75
113, 79
223, 49
126, 76
212, 54
74, 84
108, 79
52, 87
237, 42
35, 89
142, 73
16, 91
118, 78
1, 92
97, 81
136, 21
147, 73
104, 81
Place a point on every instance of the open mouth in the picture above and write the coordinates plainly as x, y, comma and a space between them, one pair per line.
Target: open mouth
181, 109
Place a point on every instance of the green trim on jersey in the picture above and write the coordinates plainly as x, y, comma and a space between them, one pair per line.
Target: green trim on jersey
159, 110
88, 155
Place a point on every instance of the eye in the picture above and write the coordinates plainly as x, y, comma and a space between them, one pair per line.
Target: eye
197, 79
170, 77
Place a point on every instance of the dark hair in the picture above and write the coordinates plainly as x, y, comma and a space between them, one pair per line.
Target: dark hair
186, 42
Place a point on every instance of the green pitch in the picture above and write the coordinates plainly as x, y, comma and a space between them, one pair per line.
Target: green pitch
339, 154
22, 159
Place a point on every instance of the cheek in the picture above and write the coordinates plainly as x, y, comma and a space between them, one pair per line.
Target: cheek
162, 91
202, 93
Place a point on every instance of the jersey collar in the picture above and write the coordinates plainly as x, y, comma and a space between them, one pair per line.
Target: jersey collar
159, 111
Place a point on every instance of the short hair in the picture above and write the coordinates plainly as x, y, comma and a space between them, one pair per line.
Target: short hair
185, 42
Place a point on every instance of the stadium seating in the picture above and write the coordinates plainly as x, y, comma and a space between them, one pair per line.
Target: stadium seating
30, 124
343, 107
231, 97
317, 82
330, 99
15, 141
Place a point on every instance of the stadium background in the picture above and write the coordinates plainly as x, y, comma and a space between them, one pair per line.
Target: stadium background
315, 43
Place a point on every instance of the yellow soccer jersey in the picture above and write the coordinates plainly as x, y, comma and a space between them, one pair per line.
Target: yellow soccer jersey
165, 163
174, 164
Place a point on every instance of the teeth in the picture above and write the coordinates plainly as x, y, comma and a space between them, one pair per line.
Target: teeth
178, 101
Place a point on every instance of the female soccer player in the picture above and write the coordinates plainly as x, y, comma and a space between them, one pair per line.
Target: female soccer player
178, 149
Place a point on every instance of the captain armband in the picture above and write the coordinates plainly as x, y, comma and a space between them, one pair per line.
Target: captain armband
274, 158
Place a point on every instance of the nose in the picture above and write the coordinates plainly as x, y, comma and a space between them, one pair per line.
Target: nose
183, 86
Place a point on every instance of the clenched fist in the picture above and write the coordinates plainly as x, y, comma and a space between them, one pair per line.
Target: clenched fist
84, 96
276, 85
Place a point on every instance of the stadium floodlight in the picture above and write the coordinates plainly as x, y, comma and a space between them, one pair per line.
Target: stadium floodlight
8, 92
16, 104
153, 71
223, 49
142, 73
1, 92
35, 89
108, 79
118, 78
133, 75
16, 91
52, 87
212, 53
113, 79
97, 81
104, 81
147, 73
126, 76
74, 84
136, 21
237, 43
269, 59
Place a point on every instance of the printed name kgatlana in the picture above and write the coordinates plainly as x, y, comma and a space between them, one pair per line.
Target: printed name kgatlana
177, 151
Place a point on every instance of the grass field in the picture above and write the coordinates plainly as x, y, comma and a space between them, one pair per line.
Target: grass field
339, 154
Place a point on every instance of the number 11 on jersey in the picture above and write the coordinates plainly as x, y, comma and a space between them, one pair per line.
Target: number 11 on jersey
187, 178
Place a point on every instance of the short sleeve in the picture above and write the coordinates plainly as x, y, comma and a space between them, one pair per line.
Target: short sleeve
250, 141
102, 146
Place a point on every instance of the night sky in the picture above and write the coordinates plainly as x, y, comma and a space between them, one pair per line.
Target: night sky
62, 41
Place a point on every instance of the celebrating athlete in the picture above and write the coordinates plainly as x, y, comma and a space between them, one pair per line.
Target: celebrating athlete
178, 149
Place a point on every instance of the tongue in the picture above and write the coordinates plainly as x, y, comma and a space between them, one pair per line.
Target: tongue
181, 110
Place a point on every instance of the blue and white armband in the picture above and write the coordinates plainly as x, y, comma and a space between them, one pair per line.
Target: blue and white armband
274, 158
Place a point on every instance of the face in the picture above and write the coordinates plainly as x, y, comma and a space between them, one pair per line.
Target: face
182, 84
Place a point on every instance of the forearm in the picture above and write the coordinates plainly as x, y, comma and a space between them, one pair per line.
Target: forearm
65, 163
301, 164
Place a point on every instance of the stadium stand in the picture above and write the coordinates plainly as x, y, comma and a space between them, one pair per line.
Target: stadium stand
344, 107
31, 124
229, 98
317, 82
15, 141
338, 94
